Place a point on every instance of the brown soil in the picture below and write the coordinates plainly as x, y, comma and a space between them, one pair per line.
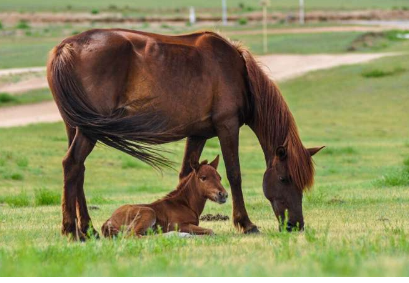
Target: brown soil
24, 85
211, 217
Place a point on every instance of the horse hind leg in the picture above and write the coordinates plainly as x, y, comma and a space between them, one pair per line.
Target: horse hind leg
194, 147
73, 195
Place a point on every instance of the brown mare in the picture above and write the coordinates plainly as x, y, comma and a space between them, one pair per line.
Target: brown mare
179, 210
133, 90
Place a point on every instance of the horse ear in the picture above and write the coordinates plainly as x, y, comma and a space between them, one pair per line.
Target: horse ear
215, 162
281, 152
314, 150
194, 162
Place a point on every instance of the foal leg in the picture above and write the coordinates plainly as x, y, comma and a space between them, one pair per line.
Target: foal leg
228, 134
194, 146
196, 230
81, 203
145, 218
73, 166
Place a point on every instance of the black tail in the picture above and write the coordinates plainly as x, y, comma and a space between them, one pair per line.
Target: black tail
133, 135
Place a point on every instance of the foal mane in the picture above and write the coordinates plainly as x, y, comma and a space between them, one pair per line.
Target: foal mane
181, 187
274, 124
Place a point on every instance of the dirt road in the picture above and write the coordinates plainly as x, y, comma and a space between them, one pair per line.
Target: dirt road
279, 67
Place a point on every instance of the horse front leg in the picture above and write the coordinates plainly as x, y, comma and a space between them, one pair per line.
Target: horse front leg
73, 167
194, 147
228, 134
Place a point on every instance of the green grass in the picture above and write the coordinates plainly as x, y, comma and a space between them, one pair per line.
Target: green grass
46, 197
377, 73
110, 5
354, 225
32, 96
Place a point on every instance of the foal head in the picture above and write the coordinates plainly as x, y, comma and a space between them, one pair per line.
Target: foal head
208, 181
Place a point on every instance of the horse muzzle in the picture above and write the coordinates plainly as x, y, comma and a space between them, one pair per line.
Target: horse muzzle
221, 197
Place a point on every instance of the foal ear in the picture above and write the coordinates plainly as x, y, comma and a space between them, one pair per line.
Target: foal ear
194, 162
215, 162
314, 150
281, 152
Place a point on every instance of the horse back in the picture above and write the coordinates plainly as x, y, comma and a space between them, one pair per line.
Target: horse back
197, 75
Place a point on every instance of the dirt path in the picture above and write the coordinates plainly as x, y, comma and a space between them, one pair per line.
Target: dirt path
278, 67
25, 85
313, 30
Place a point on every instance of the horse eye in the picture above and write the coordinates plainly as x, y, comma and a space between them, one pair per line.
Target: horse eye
203, 178
283, 179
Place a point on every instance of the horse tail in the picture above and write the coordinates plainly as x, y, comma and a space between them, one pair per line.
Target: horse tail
133, 134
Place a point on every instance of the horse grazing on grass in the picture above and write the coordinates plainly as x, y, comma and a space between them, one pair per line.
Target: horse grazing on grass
133, 90
179, 210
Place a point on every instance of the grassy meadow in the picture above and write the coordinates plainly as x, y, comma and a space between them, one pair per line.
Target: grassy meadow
356, 215
178, 5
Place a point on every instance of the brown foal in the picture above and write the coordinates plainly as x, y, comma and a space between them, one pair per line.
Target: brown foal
179, 210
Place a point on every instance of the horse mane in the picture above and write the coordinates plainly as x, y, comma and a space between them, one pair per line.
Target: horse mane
273, 122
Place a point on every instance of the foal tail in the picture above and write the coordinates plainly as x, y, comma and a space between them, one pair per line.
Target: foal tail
134, 134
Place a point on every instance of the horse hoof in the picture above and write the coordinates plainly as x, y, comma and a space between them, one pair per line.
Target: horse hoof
252, 230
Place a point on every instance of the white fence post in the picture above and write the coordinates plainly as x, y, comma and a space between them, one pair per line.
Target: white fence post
302, 13
265, 3
192, 15
224, 12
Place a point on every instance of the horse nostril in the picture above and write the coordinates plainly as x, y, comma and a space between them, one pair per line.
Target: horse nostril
220, 194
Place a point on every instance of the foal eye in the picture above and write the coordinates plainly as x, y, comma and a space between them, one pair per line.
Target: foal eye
203, 178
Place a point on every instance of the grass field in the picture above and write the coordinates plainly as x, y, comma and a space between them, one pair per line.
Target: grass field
28, 97
356, 215
280, 5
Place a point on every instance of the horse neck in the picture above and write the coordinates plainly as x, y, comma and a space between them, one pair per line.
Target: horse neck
191, 196
272, 132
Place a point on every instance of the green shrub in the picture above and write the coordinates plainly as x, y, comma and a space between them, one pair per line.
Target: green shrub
376, 73
339, 151
5, 98
129, 162
395, 179
94, 11
98, 199
242, 21
1, 25
165, 26
46, 197
19, 200
23, 24
13, 176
